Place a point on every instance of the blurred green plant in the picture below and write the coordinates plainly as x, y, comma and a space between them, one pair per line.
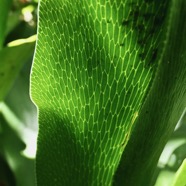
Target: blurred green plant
18, 118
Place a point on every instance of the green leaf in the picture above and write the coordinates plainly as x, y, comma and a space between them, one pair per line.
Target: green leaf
26, 112
162, 109
12, 60
19, 95
4, 9
18, 126
93, 68
165, 178
180, 179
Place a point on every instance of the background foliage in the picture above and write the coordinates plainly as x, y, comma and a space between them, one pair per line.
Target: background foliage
18, 118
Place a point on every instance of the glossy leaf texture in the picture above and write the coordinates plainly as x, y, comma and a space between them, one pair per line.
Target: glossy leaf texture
94, 64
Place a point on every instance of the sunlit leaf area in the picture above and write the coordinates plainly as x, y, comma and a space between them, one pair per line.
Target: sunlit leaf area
67, 70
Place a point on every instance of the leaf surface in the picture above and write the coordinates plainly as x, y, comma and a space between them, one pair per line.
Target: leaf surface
93, 68
163, 108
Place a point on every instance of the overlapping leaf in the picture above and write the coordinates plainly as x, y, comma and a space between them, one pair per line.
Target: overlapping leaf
12, 60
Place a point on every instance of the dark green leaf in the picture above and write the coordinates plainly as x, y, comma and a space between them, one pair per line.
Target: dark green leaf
162, 109
4, 9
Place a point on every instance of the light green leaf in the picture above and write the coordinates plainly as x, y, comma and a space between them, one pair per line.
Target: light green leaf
12, 59
165, 178
93, 67
19, 95
18, 126
26, 112
180, 178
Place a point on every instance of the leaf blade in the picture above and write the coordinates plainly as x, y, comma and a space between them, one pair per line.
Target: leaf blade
162, 109
12, 60
90, 76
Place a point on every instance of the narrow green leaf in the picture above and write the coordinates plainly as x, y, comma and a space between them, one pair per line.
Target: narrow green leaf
93, 67
12, 59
